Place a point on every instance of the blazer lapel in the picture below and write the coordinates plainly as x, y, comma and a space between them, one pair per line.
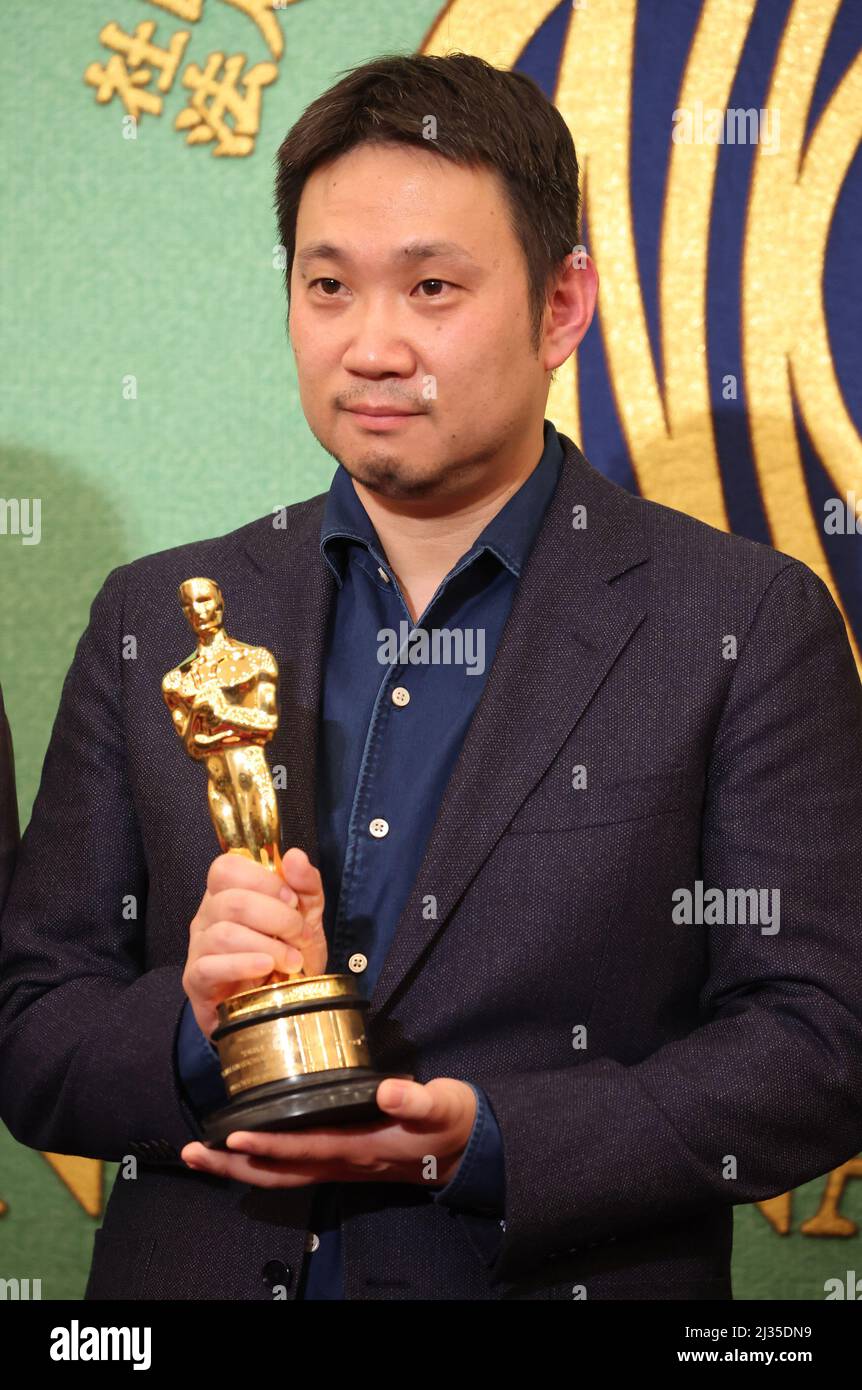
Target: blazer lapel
566, 628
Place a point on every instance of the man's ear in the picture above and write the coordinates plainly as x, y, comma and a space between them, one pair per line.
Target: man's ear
569, 310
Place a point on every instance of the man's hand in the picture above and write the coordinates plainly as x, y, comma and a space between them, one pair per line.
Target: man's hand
422, 1143
249, 924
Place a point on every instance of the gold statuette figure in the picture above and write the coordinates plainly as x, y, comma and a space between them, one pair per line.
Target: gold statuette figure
223, 703
293, 1050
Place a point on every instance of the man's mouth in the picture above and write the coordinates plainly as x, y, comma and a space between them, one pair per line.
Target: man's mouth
380, 416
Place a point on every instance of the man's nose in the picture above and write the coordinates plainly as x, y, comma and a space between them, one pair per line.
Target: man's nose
377, 344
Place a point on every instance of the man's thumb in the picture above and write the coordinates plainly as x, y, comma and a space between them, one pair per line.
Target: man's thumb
299, 870
301, 875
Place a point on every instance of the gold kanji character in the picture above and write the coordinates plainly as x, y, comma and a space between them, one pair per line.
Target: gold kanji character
189, 10
206, 122
260, 12
125, 74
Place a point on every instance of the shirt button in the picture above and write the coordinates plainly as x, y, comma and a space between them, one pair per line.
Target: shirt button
312, 1241
379, 827
383, 575
400, 696
275, 1273
357, 962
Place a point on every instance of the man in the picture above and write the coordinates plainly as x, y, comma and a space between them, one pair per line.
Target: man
598, 872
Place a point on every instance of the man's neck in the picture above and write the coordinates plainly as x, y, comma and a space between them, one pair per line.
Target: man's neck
423, 544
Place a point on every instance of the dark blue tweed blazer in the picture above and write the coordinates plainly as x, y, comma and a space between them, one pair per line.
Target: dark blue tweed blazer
646, 1074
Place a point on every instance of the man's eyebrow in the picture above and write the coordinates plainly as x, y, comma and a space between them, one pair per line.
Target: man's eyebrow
411, 252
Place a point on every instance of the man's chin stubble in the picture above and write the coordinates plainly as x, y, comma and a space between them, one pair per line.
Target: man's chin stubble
386, 481
380, 474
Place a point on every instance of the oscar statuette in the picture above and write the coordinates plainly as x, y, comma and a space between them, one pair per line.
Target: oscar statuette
292, 1050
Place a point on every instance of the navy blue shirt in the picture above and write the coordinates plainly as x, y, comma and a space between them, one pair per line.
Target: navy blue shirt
397, 700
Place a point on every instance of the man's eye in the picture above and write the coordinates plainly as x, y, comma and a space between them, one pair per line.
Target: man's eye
325, 280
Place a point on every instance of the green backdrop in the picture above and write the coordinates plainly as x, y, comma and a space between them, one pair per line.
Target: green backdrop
149, 399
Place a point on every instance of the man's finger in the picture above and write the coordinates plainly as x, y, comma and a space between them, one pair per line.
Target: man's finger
307, 1146
259, 1172
234, 870
436, 1104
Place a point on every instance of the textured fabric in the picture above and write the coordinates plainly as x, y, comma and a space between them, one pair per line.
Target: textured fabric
627, 1059
9, 827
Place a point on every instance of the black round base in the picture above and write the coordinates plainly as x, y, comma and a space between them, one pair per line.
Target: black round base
344, 1096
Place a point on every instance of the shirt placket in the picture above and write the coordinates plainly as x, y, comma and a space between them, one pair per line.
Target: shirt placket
367, 810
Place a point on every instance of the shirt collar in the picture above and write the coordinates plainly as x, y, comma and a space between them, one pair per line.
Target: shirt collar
509, 535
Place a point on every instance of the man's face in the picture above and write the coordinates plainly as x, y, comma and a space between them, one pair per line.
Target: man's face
443, 334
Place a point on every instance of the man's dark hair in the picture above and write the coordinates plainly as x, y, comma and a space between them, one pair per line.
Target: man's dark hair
483, 116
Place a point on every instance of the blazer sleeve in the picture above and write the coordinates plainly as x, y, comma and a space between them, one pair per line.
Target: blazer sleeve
87, 1033
766, 1093
9, 827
